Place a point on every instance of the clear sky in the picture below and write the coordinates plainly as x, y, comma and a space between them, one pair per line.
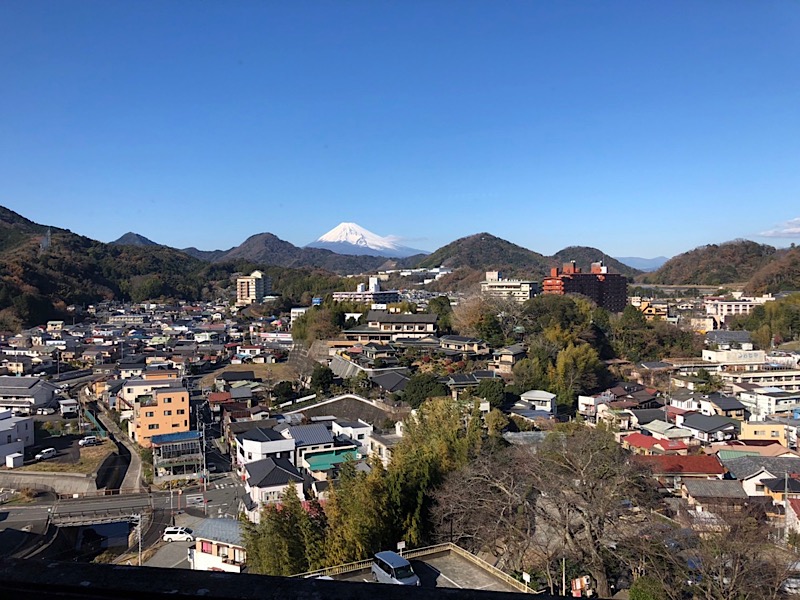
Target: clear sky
641, 128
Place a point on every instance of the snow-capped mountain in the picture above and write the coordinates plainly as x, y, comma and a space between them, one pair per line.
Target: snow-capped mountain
350, 238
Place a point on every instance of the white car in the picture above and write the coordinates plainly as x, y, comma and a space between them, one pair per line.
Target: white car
47, 410
178, 534
90, 440
46, 453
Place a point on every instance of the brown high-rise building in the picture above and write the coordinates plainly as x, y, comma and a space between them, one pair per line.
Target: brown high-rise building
607, 290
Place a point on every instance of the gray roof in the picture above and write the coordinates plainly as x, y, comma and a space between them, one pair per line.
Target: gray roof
715, 488
261, 434
726, 403
648, 415
271, 472
21, 385
227, 531
727, 337
391, 381
743, 467
307, 435
705, 423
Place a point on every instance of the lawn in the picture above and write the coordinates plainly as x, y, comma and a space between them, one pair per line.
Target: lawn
91, 459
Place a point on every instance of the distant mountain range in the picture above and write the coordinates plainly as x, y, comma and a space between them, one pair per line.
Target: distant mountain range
44, 269
350, 238
643, 264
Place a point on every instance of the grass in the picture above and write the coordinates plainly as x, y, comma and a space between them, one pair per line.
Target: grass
267, 372
91, 459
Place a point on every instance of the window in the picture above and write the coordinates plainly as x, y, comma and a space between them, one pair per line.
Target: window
167, 413
775, 434
360, 436
167, 400
760, 487
176, 425
181, 411
149, 413
153, 426
185, 423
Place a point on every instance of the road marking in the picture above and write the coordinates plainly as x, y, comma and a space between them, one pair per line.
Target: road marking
450, 580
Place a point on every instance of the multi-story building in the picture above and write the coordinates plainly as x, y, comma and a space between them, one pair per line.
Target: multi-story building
368, 295
508, 289
164, 410
722, 309
252, 288
383, 326
607, 290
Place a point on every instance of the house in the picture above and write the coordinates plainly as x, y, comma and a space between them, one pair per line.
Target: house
265, 482
16, 434
177, 456
25, 394
218, 546
259, 443
382, 444
504, 359
714, 495
708, 429
752, 471
537, 401
662, 430
463, 347
770, 431
638, 443
383, 326
357, 431
672, 470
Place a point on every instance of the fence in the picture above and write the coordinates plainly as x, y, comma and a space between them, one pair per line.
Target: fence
426, 551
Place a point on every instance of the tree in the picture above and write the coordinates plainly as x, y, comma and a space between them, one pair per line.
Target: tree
498, 513
531, 374
493, 391
583, 477
283, 391
578, 369
321, 379
422, 386
495, 421
440, 306
710, 383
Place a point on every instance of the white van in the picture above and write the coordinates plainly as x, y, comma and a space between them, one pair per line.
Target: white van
46, 453
178, 534
390, 567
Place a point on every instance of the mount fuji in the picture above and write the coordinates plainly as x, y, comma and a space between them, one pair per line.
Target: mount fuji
350, 238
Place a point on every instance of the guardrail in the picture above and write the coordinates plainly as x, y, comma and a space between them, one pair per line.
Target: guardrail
426, 551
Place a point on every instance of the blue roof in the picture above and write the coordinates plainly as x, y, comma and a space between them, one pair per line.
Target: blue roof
182, 436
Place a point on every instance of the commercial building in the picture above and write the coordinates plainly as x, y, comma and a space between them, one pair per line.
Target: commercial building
607, 290
372, 294
252, 288
508, 289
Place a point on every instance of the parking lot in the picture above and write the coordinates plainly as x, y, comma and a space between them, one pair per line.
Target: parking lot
447, 570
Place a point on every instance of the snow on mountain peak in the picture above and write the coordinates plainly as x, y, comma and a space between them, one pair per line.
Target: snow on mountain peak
352, 233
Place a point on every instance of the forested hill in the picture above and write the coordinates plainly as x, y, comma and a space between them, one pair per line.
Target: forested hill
584, 256
484, 251
38, 281
732, 262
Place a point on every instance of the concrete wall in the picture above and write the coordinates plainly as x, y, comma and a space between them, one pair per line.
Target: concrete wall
60, 483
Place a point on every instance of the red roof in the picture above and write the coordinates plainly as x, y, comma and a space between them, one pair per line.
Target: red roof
639, 440
216, 397
674, 464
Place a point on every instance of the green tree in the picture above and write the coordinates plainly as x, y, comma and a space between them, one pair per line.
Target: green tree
578, 369
531, 374
283, 391
496, 421
273, 545
321, 379
440, 306
493, 391
422, 386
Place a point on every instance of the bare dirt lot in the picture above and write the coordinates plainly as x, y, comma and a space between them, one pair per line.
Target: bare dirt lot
272, 373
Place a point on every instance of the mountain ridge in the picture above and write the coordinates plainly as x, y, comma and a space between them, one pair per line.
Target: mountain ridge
352, 239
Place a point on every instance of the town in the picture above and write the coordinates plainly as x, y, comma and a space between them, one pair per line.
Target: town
609, 442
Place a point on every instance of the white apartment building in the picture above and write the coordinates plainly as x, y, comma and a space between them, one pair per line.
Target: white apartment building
764, 402
787, 380
16, 434
725, 309
508, 289
252, 288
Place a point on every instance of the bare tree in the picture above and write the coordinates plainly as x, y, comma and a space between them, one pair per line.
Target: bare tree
489, 506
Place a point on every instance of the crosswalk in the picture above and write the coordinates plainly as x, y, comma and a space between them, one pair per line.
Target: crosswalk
220, 486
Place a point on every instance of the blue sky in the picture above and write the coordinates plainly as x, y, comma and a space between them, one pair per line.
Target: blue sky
641, 128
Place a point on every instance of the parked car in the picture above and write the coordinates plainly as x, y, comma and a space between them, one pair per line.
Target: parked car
46, 410
46, 453
90, 440
178, 534
390, 567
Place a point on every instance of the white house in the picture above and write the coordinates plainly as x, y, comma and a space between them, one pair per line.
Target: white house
218, 546
261, 443
539, 400
16, 434
265, 482
357, 431
25, 394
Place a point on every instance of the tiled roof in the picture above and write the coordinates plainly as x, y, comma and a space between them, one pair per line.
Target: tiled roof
261, 434
715, 488
271, 472
677, 465
743, 467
